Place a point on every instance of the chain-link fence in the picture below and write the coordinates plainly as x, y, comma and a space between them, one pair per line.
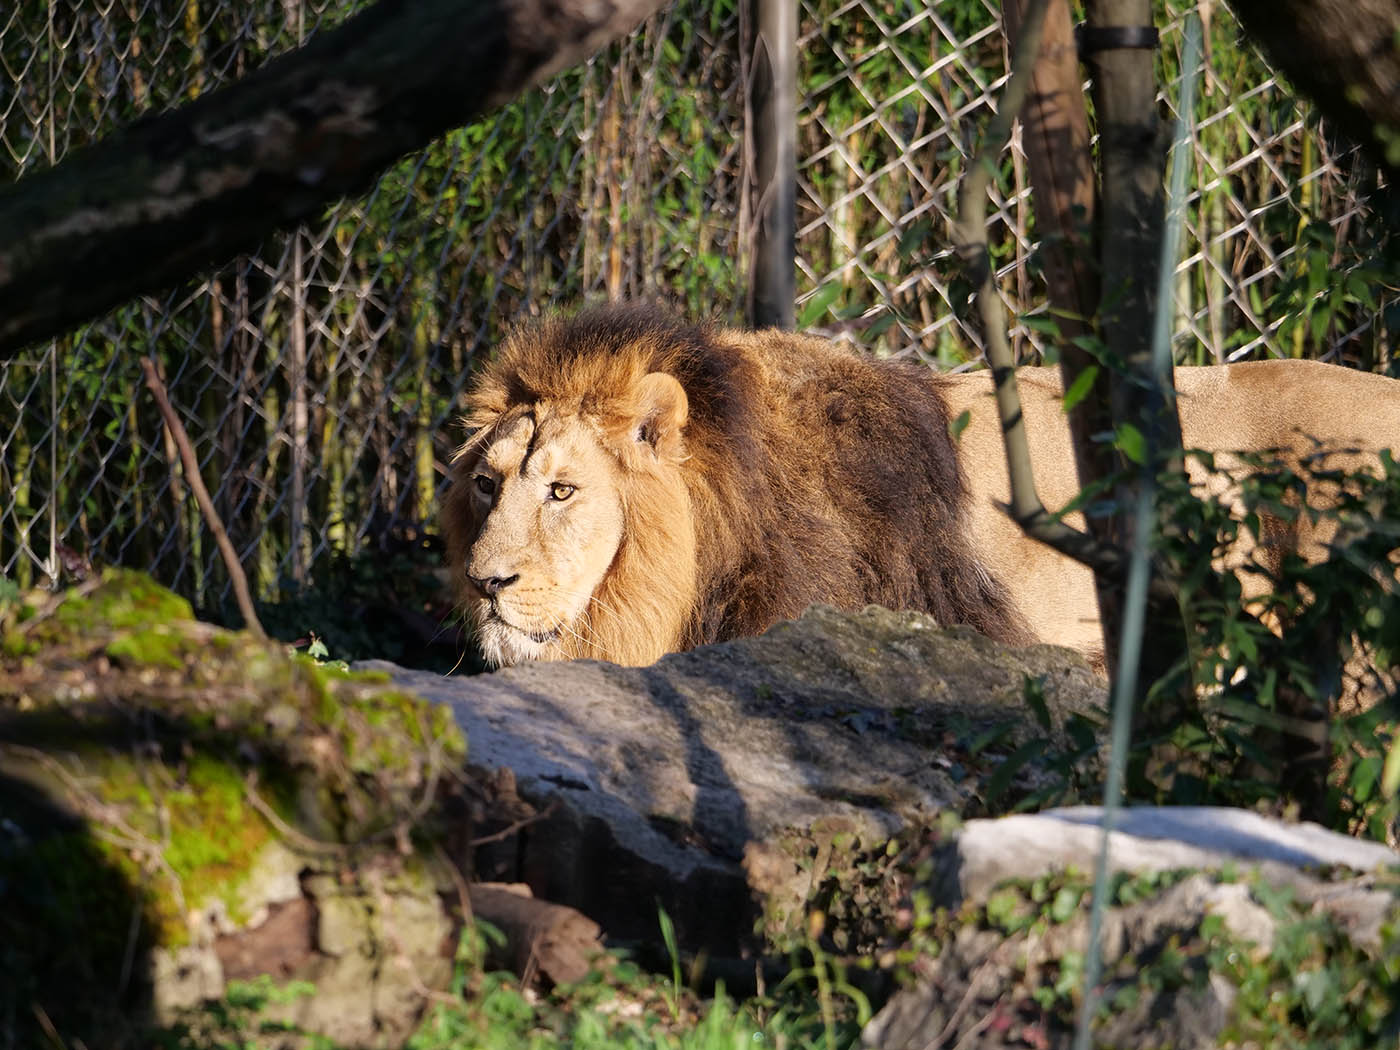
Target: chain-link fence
317, 378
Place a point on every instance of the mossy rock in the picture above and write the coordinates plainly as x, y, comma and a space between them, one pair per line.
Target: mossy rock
152, 766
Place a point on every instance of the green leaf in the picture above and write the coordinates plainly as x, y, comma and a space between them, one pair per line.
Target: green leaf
957, 426
1128, 440
880, 326
1363, 778
1066, 903
814, 307
1080, 388
1004, 910
1042, 323
914, 238
1319, 321
1033, 690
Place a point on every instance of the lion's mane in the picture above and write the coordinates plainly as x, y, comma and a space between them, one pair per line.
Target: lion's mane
807, 474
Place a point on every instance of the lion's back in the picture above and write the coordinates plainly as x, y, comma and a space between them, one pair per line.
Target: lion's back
859, 498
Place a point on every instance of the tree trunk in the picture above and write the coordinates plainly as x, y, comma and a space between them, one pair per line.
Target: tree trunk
1055, 134
1344, 55
1132, 162
150, 205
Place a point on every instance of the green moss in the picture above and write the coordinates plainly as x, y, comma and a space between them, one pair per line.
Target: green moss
13, 645
236, 700
141, 817
157, 647
123, 599
215, 835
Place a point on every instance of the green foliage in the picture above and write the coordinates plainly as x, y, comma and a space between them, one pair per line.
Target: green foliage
1317, 647
618, 1007
1313, 989
236, 1022
1061, 766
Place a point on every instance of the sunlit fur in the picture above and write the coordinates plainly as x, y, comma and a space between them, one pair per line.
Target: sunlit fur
1298, 408
724, 481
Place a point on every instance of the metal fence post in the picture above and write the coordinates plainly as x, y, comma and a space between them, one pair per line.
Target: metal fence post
773, 110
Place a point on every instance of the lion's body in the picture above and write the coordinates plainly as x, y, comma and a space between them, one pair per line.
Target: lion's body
789, 471
655, 485
1292, 406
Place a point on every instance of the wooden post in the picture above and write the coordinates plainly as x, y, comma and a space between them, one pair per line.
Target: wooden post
773, 110
1132, 155
1119, 43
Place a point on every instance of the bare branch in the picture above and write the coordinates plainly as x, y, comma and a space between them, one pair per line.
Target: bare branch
201, 495
970, 232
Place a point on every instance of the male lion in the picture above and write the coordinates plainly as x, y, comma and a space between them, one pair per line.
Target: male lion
633, 485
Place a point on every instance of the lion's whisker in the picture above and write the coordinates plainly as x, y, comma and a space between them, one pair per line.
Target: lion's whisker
595, 600
593, 643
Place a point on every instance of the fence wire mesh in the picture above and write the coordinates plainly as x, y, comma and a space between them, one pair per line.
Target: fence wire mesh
317, 378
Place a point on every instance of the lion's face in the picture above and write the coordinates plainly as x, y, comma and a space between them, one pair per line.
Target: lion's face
544, 508
568, 524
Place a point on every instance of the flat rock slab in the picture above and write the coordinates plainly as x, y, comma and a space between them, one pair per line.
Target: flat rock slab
833, 723
1146, 838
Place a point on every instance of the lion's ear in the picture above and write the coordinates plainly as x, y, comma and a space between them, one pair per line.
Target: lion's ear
662, 409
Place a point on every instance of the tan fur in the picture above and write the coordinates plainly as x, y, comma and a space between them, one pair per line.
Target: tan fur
1252, 406
721, 481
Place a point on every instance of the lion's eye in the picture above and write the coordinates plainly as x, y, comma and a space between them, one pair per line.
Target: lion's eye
486, 486
559, 491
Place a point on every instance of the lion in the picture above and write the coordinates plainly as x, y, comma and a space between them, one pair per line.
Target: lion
632, 485
1287, 409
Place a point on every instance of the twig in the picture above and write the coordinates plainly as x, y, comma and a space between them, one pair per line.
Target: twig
464, 897
506, 832
970, 230
964, 1005
201, 495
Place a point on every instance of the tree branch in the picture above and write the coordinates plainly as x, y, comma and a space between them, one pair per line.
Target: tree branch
970, 233
1345, 56
201, 496
151, 205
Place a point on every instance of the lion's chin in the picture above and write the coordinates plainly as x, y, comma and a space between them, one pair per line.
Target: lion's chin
504, 644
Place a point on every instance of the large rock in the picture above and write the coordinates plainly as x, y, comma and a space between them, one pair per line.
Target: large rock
717, 777
1200, 899
181, 806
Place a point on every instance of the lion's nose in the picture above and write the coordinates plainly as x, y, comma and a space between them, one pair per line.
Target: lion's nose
493, 585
